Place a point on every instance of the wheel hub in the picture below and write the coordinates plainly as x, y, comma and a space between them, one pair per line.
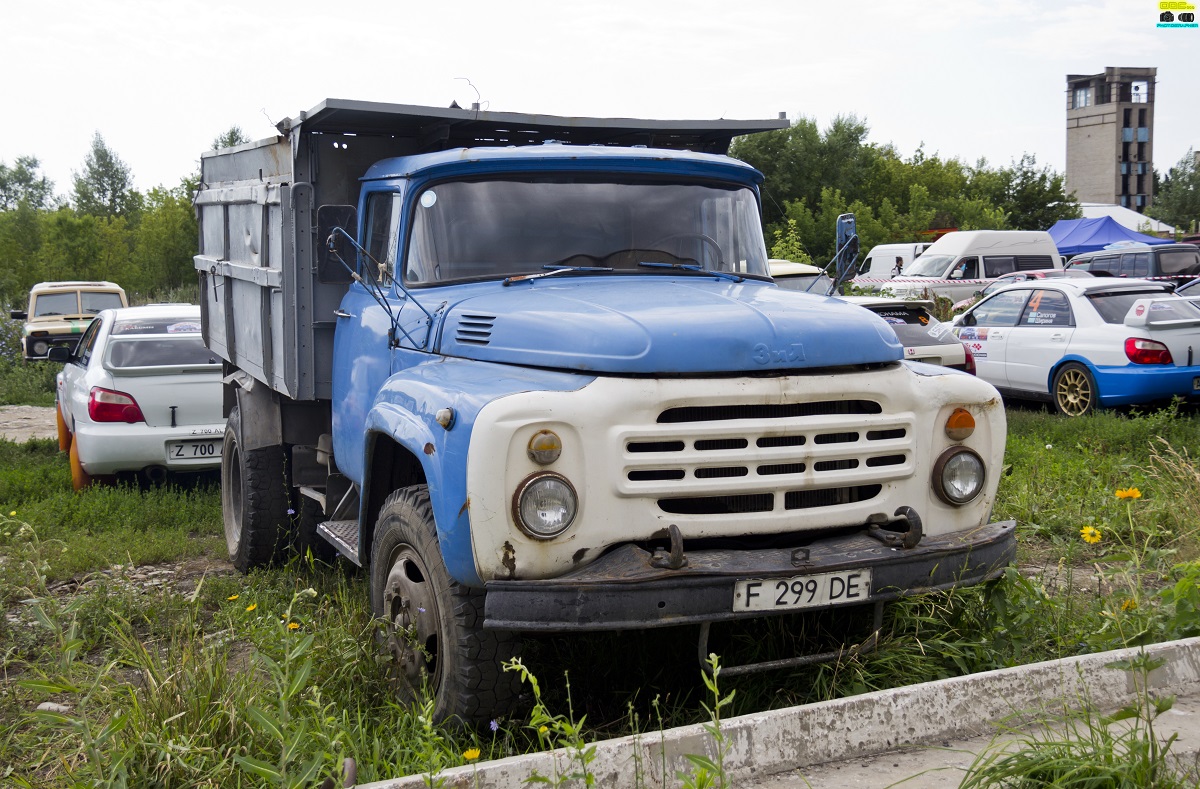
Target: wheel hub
411, 613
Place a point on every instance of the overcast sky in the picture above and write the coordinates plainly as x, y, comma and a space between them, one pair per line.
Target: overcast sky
160, 79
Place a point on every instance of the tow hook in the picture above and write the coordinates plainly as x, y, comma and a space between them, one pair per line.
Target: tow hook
896, 539
675, 559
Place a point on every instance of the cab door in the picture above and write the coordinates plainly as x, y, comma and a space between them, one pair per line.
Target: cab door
1039, 340
985, 331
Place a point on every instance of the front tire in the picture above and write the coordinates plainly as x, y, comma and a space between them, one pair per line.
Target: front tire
1074, 390
433, 625
254, 498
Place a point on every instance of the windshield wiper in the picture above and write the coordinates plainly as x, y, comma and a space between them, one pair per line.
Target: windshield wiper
693, 267
555, 269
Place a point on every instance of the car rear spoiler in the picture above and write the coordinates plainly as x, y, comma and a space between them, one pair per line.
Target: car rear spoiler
1142, 314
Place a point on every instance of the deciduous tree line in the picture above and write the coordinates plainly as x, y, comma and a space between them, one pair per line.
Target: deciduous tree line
104, 230
812, 176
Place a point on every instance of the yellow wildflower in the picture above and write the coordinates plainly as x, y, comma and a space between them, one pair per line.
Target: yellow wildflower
1129, 605
1129, 493
471, 754
252, 606
12, 514
542, 730
293, 625
1090, 534
232, 597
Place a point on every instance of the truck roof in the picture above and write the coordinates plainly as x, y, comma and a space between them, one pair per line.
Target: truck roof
453, 127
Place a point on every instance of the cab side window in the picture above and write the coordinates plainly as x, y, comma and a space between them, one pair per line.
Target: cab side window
1107, 263
1003, 309
968, 268
1047, 308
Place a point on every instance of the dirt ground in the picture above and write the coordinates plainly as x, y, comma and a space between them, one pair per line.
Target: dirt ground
20, 423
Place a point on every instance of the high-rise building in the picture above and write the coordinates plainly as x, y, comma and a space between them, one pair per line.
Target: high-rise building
1110, 137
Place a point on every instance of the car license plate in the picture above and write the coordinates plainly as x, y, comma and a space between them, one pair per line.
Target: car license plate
1196, 384
804, 591
194, 450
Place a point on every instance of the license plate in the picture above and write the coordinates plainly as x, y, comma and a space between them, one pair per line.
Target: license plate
194, 450
1196, 384
804, 591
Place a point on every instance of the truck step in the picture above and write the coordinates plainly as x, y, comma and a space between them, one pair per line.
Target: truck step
343, 535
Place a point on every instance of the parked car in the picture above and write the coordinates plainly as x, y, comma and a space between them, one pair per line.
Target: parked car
1086, 343
140, 394
1019, 276
1177, 263
924, 337
960, 263
58, 312
1189, 288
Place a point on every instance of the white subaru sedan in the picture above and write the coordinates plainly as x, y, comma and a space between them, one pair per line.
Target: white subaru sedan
140, 394
1086, 343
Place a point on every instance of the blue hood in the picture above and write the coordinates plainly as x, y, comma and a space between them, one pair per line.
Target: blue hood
663, 325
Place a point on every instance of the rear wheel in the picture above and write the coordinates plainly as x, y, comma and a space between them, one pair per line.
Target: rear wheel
254, 498
80, 479
433, 626
64, 435
1074, 390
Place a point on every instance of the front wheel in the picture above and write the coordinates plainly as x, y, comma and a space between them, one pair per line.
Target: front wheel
432, 625
1074, 390
254, 498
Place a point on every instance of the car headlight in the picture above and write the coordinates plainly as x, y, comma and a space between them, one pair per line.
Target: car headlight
40, 347
958, 476
544, 505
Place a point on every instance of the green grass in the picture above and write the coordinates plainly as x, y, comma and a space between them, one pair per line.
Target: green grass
160, 681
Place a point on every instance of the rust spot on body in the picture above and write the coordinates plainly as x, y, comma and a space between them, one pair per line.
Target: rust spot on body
509, 559
577, 557
429, 449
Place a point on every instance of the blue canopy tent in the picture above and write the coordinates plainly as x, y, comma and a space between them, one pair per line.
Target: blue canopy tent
1073, 236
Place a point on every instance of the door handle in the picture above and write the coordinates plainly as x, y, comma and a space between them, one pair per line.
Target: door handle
343, 314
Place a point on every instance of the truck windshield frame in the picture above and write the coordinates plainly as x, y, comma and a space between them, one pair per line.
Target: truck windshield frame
521, 225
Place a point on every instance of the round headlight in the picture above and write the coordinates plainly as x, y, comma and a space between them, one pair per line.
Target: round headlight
40, 348
958, 476
544, 505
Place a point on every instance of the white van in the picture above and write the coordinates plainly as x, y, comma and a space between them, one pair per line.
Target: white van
881, 260
962, 262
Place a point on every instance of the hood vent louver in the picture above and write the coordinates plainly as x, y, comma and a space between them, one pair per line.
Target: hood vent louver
475, 329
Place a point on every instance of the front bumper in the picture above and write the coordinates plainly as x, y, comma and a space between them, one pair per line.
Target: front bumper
623, 591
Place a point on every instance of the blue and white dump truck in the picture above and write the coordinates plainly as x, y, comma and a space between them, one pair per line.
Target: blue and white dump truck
532, 374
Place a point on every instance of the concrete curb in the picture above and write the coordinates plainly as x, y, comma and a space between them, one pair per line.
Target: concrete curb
773, 742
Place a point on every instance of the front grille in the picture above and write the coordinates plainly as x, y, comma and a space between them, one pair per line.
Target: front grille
759, 458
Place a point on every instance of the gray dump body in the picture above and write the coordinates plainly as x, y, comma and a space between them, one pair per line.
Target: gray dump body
267, 299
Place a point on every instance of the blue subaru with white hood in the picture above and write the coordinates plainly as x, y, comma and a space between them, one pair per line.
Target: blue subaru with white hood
534, 375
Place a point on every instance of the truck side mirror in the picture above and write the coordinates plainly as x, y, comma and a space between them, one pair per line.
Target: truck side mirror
329, 217
18, 315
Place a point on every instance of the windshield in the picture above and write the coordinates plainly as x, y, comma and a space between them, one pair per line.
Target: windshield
487, 229
94, 301
928, 266
48, 304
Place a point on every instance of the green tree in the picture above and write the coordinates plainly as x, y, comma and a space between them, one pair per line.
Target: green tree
1031, 198
233, 136
105, 187
165, 240
1177, 200
22, 184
